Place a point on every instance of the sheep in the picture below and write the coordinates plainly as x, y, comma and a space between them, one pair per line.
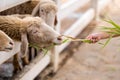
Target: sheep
29, 30
6, 43
46, 9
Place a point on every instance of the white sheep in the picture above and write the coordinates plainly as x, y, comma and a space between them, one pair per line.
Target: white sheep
6, 43
46, 9
29, 30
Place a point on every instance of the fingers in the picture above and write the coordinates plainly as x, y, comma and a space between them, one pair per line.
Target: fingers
93, 37
94, 40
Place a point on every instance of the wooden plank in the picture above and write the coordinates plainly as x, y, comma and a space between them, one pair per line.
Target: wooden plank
6, 4
4, 56
34, 68
71, 6
78, 26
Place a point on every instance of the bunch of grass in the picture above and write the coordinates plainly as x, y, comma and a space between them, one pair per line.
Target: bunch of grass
114, 30
67, 39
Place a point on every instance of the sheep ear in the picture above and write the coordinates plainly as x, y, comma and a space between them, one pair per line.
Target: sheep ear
56, 21
36, 9
24, 44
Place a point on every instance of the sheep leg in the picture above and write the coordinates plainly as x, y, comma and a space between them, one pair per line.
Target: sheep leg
24, 44
24, 48
17, 64
25, 60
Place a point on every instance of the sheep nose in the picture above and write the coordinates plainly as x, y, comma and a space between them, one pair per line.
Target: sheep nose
59, 38
9, 46
11, 43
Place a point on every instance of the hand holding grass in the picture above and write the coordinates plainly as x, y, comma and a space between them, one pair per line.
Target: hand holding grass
95, 37
108, 32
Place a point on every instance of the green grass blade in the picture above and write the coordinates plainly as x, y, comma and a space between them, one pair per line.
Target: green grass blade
34, 46
113, 23
86, 41
100, 43
66, 40
104, 28
45, 51
107, 42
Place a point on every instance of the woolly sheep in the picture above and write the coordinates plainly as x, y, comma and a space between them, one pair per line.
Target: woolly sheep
6, 43
46, 9
32, 30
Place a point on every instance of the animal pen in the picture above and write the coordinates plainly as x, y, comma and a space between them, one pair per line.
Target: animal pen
66, 11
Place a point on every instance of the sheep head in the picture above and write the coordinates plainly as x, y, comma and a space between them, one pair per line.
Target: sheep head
48, 10
6, 43
41, 34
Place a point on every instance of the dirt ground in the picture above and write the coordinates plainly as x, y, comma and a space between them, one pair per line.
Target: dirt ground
91, 62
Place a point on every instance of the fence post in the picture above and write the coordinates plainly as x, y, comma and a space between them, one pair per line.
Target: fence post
55, 54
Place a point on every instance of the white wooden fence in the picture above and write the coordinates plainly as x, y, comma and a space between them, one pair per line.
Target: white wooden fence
40, 63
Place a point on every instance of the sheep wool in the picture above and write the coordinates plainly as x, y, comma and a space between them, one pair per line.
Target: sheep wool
13, 26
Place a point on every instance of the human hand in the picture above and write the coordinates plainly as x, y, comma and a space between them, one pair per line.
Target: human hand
95, 37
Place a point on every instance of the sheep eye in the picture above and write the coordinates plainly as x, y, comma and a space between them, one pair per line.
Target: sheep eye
42, 10
35, 31
47, 11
